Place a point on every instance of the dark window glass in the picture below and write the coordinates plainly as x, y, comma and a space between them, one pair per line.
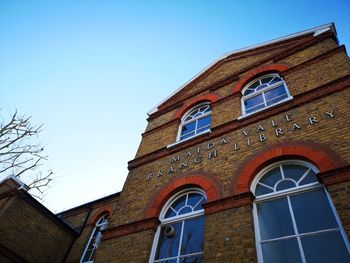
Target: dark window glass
169, 246
204, 122
254, 102
294, 171
185, 210
188, 128
193, 236
274, 219
281, 251
312, 211
180, 202
278, 93
266, 80
271, 177
262, 190
192, 259
193, 200
310, 178
285, 184
325, 247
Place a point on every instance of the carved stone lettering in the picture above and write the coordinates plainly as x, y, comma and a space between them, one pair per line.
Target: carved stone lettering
175, 159
210, 145
296, 127
246, 132
289, 117
198, 159
274, 124
223, 141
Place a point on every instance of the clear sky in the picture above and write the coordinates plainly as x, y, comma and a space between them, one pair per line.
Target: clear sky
90, 70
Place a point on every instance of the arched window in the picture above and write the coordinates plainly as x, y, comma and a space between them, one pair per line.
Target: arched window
180, 237
195, 121
264, 92
294, 217
95, 239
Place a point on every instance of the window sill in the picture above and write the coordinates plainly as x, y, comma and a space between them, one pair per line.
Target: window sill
188, 139
266, 108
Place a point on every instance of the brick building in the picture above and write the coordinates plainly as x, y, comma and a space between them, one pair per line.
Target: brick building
247, 162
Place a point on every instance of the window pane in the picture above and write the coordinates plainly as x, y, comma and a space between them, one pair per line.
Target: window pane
274, 219
188, 128
255, 102
294, 171
262, 190
193, 236
310, 178
192, 259
169, 246
180, 202
193, 200
204, 122
276, 92
312, 211
188, 135
167, 261
266, 80
286, 251
169, 213
271, 177
325, 247
285, 184
185, 210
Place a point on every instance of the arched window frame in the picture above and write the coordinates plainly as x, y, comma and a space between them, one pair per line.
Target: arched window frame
195, 120
289, 192
94, 239
176, 219
263, 91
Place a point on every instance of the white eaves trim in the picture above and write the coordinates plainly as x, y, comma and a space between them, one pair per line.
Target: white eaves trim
316, 31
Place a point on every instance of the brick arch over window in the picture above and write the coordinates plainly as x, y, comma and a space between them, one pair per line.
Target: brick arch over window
94, 218
318, 154
204, 180
212, 97
256, 72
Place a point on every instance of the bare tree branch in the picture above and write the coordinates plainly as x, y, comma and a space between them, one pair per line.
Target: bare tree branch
21, 155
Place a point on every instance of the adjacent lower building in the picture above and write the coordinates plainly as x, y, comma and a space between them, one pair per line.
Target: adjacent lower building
247, 162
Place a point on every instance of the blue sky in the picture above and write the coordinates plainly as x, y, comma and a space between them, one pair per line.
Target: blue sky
90, 70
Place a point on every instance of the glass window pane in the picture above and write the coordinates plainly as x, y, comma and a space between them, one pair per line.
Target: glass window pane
188, 135
274, 219
167, 261
185, 210
286, 251
310, 178
188, 128
192, 259
262, 190
266, 80
169, 213
276, 92
169, 246
294, 171
285, 184
204, 122
193, 200
312, 211
193, 236
255, 101
275, 80
262, 87
271, 177
179, 202
325, 247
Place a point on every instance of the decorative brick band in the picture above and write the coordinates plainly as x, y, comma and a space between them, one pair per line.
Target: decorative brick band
318, 154
235, 201
254, 73
212, 97
204, 180
131, 228
335, 176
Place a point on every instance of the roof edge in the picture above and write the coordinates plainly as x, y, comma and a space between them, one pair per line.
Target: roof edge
316, 31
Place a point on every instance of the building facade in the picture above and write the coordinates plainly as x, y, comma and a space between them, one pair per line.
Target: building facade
247, 162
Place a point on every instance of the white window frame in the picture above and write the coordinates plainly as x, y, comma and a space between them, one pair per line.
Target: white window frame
174, 219
183, 122
263, 91
100, 225
287, 193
